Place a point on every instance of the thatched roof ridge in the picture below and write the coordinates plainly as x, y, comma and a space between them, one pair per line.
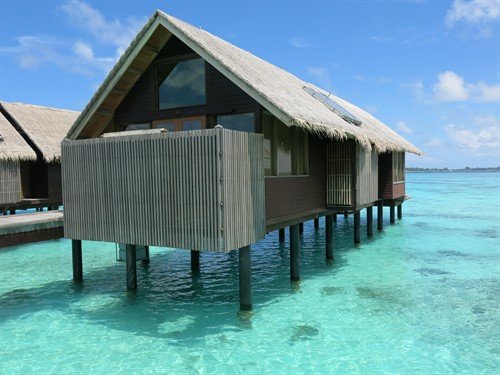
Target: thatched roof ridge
12, 145
277, 90
45, 127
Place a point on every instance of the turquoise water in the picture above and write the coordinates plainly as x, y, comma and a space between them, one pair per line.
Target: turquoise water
421, 297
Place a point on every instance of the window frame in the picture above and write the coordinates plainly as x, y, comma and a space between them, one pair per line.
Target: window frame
294, 150
398, 167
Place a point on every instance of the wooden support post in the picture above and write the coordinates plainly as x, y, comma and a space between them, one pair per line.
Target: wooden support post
12, 212
346, 216
145, 261
195, 260
329, 236
369, 221
334, 218
301, 228
380, 215
357, 231
76, 248
316, 223
400, 211
294, 253
391, 211
282, 235
131, 267
245, 260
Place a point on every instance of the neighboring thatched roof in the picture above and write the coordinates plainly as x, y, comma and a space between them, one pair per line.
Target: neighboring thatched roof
45, 127
275, 89
12, 145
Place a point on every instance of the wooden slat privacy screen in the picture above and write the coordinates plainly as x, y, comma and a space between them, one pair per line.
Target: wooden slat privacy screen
197, 190
367, 176
10, 182
339, 174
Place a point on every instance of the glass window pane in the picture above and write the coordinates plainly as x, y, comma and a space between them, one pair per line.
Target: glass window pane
267, 129
284, 148
243, 122
301, 152
191, 125
182, 84
137, 127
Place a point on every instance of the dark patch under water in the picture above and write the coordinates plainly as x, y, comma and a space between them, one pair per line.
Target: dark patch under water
431, 271
487, 233
304, 332
453, 253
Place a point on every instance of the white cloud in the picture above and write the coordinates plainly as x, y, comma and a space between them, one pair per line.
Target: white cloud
433, 143
114, 32
404, 127
480, 140
476, 13
321, 76
417, 90
451, 87
298, 42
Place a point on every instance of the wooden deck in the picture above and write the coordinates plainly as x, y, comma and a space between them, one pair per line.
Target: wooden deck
33, 227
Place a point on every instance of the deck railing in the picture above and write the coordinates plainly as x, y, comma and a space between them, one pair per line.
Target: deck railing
197, 190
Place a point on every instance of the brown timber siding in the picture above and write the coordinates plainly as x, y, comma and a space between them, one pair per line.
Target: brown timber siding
288, 196
54, 181
10, 182
387, 189
197, 190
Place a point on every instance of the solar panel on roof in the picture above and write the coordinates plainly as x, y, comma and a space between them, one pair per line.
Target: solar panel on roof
333, 106
1, 137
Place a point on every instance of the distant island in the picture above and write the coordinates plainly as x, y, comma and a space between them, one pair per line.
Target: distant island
466, 169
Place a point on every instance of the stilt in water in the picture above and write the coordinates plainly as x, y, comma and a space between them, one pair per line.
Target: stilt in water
245, 261
380, 215
369, 221
76, 248
195, 260
357, 222
346, 216
392, 216
282, 235
334, 218
145, 261
400, 211
294, 253
329, 236
316, 223
12, 212
131, 267
301, 228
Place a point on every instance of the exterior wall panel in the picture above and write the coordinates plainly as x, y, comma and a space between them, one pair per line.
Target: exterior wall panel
10, 182
367, 176
199, 190
339, 173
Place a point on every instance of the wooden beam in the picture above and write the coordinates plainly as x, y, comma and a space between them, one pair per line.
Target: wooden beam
392, 216
282, 235
316, 223
369, 221
329, 236
380, 215
76, 247
294, 253
131, 267
245, 265
400, 211
195, 260
357, 231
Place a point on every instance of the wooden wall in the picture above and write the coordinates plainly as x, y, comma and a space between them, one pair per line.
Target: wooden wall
366, 176
340, 169
197, 190
140, 104
290, 196
10, 182
54, 182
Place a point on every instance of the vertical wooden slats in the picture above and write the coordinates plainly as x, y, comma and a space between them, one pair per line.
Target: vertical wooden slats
339, 174
367, 176
198, 190
10, 181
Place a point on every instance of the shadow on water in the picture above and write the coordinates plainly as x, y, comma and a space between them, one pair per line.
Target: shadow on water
174, 303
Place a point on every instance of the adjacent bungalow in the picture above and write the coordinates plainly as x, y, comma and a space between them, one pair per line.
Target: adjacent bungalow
41, 129
194, 143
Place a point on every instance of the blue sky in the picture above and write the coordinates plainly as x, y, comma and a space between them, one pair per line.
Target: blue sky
428, 69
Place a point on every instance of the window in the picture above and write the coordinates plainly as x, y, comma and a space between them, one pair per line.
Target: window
181, 84
243, 122
398, 166
285, 148
181, 124
144, 126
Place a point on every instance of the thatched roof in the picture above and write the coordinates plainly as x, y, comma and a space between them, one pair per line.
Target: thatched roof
45, 127
275, 89
12, 145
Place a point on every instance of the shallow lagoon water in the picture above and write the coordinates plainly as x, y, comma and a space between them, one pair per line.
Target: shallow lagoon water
421, 297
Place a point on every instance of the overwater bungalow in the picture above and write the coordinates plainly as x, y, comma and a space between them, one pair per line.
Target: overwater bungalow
193, 143
38, 176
